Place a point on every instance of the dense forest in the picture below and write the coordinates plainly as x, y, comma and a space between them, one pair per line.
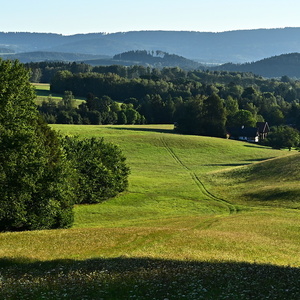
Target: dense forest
192, 99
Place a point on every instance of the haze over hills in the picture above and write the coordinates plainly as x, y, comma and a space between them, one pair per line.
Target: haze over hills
130, 58
39, 56
232, 46
275, 66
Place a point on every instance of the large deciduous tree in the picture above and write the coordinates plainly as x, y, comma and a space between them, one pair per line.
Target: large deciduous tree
36, 188
243, 117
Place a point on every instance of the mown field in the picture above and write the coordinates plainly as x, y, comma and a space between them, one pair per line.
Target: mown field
43, 93
203, 218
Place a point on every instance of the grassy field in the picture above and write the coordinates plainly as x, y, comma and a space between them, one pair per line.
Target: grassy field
203, 218
43, 93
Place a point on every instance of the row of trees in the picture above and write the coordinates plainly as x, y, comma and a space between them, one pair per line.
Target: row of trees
170, 95
159, 100
42, 175
45, 72
202, 116
94, 110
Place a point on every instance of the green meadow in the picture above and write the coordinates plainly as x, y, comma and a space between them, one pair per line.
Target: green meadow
203, 218
43, 93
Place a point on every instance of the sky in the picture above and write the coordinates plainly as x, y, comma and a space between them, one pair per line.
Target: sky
89, 16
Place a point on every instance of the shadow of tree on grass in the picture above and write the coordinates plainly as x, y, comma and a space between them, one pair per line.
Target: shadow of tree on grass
144, 129
145, 278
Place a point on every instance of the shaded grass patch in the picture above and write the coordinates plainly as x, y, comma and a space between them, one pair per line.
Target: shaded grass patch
272, 182
144, 278
43, 92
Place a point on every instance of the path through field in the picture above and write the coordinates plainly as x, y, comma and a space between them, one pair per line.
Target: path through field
203, 190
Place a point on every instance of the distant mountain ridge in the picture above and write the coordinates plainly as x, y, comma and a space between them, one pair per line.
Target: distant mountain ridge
232, 46
39, 56
275, 66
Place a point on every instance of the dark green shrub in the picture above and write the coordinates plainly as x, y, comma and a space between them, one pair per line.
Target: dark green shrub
283, 137
100, 166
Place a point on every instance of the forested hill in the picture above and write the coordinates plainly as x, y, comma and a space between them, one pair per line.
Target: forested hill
232, 46
276, 66
156, 58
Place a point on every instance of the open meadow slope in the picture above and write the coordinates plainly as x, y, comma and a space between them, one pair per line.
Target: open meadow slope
274, 182
203, 217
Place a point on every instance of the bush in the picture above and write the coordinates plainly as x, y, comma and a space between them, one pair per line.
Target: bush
100, 167
283, 137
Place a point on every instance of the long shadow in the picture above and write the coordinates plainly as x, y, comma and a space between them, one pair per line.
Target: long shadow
274, 194
42, 93
259, 159
227, 165
248, 162
143, 129
145, 278
254, 146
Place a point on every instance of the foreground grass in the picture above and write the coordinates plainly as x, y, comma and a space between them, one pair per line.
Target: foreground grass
123, 278
178, 232
266, 237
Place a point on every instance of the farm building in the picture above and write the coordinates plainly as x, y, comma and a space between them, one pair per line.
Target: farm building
249, 134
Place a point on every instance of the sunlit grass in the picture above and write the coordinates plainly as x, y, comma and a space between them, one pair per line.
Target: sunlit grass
185, 229
43, 93
261, 237
274, 182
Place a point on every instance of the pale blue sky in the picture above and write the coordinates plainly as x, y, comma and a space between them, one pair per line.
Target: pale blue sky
74, 16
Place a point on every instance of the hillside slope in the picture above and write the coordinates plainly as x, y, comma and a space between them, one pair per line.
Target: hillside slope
275, 66
273, 182
166, 237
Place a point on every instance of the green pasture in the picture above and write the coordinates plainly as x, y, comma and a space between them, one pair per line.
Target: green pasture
203, 218
43, 93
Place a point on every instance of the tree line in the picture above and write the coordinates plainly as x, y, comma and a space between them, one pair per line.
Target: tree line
173, 95
161, 95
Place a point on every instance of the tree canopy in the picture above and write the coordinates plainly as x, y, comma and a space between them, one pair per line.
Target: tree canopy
41, 174
101, 169
283, 137
165, 95
36, 190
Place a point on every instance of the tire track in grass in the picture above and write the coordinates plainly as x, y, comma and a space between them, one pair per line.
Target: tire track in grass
231, 208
